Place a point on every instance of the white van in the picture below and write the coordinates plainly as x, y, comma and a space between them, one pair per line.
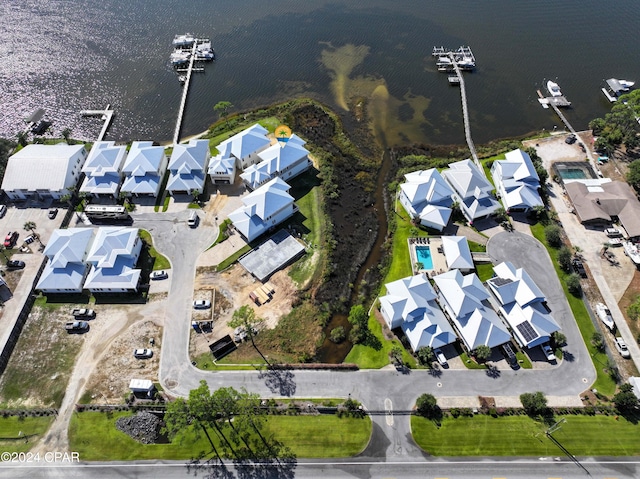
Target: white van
193, 219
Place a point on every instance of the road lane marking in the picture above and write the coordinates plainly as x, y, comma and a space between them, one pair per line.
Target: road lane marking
388, 407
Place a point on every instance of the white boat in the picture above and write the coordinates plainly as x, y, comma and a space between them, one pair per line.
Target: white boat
205, 52
179, 57
605, 316
632, 251
614, 88
182, 79
553, 88
185, 40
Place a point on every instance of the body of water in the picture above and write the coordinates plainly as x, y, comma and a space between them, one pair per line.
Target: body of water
65, 56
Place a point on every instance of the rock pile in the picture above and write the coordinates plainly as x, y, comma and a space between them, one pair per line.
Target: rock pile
144, 427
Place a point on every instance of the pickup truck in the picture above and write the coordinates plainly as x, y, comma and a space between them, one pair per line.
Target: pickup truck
83, 313
76, 326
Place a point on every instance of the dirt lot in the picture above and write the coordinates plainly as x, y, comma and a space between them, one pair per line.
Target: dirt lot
46, 354
232, 288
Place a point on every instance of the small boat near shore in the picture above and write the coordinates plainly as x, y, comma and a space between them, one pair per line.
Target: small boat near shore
553, 88
178, 58
182, 41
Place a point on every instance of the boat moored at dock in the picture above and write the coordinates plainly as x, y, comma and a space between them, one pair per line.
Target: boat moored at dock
463, 56
553, 88
183, 41
614, 88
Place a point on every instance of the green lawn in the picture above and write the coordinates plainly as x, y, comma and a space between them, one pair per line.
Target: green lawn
20, 434
95, 437
161, 262
604, 384
522, 436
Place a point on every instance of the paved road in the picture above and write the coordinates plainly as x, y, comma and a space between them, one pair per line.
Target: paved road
378, 390
481, 468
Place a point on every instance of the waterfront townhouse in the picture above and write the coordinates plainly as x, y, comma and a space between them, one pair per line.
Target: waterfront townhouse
66, 266
187, 167
410, 305
239, 151
144, 169
263, 209
103, 169
517, 182
283, 159
466, 301
523, 305
43, 172
427, 198
473, 192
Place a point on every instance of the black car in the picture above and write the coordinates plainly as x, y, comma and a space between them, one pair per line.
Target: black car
53, 212
578, 267
15, 264
570, 140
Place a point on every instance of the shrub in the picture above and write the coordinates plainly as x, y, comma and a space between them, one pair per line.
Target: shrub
427, 406
564, 258
337, 335
534, 404
573, 285
553, 235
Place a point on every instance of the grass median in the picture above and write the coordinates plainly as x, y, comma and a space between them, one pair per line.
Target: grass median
522, 436
94, 436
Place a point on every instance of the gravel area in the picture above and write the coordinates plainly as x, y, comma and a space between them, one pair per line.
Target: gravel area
144, 427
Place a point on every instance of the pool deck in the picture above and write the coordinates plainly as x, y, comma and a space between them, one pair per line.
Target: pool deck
438, 258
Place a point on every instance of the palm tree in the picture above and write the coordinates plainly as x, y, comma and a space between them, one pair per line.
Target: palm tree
22, 138
66, 135
31, 226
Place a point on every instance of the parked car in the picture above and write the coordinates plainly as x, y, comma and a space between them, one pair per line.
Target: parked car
83, 313
578, 267
10, 239
3, 210
570, 140
160, 274
621, 346
202, 304
193, 219
76, 327
441, 358
613, 233
548, 352
15, 264
510, 355
53, 212
142, 353
29, 239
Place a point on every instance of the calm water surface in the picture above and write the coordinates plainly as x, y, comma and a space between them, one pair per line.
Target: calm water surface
65, 56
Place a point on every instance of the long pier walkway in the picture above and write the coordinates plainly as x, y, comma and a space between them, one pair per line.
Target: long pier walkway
185, 92
106, 115
465, 114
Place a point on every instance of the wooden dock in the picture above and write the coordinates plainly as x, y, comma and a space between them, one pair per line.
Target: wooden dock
465, 114
106, 116
185, 92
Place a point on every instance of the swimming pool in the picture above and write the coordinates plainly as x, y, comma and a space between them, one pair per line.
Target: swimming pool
572, 173
423, 255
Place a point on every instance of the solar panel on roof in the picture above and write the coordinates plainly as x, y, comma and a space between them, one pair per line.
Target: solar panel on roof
527, 332
501, 281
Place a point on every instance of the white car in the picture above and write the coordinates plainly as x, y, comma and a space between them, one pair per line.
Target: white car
202, 304
160, 274
143, 353
621, 346
548, 352
442, 359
